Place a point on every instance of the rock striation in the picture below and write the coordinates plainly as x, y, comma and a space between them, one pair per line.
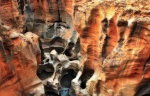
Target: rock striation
74, 47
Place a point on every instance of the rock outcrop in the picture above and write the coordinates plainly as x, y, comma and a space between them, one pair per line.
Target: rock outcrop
74, 47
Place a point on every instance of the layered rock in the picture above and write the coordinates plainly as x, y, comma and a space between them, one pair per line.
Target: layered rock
20, 57
113, 58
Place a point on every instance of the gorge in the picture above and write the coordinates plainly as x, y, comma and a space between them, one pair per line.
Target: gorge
74, 48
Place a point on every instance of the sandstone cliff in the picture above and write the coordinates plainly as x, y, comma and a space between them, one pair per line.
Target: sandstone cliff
74, 47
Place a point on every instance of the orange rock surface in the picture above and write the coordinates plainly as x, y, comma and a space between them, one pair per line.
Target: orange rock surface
114, 38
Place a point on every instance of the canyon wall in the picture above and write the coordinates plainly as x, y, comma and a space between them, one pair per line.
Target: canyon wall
74, 48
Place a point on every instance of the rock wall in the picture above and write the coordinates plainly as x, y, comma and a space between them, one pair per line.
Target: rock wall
99, 47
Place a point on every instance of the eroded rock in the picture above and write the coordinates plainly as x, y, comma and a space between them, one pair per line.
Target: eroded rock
94, 48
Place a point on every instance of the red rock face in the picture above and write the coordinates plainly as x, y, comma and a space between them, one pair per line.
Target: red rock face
19, 64
120, 47
114, 38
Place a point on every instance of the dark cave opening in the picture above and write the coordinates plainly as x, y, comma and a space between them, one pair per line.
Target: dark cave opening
49, 90
67, 53
49, 93
86, 75
45, 71
66, 79
57, 44
83, 85
146, 94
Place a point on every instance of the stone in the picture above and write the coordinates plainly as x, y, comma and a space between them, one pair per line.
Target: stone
104, 44
14, 35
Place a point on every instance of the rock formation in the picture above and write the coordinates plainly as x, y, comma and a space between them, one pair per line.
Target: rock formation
74, 48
